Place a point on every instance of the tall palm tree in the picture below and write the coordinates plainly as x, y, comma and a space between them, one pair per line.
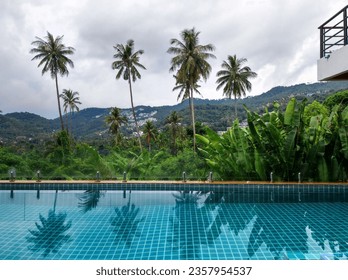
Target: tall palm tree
234, 78
115, 120
53, 55
190, 62
71, 100
150, 133
127, 61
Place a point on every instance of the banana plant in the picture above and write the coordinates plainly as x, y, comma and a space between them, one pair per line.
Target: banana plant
282, 143
229, 155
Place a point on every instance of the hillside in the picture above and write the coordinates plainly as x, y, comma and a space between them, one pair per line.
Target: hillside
218, 114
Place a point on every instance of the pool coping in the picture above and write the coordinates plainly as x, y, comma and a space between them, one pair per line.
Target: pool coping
241, 191
155, 185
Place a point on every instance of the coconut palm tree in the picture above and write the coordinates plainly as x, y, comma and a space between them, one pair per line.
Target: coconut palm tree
127, 61
173, 122
234, 78
190, 62
115, 120
150, 133
53, 56
71, 100
184, 87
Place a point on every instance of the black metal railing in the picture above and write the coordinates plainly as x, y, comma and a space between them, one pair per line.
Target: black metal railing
333, 33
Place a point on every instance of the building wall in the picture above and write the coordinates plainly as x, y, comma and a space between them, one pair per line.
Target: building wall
334, 66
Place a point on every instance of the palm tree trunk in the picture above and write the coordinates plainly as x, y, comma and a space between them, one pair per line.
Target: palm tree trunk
116, 138
58, 99
71, 121
148, 140
235, 107
67, 122
174, 142
134, 116
193, 122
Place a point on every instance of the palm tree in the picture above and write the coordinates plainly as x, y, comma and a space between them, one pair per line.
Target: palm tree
53, 55
150, 133
115, 120
184, 87
70, 99
173, 122
127, 61
190, 61
234, 78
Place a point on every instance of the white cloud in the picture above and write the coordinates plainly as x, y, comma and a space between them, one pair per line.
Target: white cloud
279, 39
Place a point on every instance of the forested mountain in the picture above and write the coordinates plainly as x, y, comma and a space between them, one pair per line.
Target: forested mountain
218, 114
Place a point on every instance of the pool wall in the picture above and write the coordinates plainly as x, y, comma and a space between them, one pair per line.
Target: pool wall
241, 191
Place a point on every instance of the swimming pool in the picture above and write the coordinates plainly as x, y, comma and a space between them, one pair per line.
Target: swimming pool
178, 222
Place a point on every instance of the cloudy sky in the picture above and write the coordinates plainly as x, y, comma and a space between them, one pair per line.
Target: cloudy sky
280, 39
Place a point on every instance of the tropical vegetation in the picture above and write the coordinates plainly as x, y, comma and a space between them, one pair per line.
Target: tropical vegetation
291, 145
296, 141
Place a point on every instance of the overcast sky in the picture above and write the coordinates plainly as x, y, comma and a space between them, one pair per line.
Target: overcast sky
280, 40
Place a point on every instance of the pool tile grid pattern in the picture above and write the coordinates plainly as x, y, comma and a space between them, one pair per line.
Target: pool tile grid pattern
178, 231
247, 192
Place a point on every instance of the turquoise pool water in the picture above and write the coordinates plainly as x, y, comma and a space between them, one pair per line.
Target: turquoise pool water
165, 225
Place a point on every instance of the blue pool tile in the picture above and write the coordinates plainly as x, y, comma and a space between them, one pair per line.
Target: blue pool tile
181, 225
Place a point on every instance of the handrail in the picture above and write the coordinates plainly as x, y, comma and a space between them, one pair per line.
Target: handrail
335, 34
334, 16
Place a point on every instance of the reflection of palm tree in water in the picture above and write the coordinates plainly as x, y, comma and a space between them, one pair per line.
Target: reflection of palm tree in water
279, 230
125, 222
271, 226
327, 226
190, 223
233, 215
89, 200
282, 227
50, 235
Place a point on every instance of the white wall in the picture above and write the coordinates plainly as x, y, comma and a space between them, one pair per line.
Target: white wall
333, 66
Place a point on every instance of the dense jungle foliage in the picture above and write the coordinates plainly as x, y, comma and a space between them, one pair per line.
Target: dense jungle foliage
310, 139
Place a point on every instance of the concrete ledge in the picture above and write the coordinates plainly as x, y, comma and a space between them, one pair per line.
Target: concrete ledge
334, 67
